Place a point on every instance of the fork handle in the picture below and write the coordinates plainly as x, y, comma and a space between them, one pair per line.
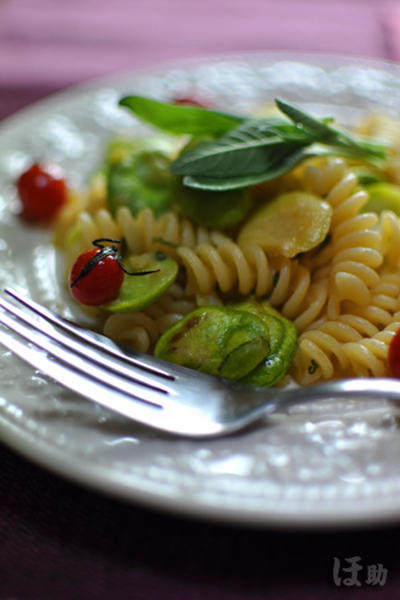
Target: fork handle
378, 388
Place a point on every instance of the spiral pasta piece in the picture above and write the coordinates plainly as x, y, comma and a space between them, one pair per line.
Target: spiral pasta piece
355, 252
384, 301
140, 330
134, 329
390, 232
312, 307
323, 345
369, 356
145, 232
356, 256
320, 353
170, 308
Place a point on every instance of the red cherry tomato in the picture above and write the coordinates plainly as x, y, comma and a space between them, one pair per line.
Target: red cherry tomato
101, 284
43, 192
189, 102
394, 355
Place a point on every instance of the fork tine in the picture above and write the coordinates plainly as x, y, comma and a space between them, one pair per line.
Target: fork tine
96, 372
149, 364
173, 418
132, 372
148, 414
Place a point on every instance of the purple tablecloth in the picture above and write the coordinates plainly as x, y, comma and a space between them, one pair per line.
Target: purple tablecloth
60, 541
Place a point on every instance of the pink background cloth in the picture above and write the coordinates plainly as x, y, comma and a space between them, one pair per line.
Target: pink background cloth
48, 44
60, 541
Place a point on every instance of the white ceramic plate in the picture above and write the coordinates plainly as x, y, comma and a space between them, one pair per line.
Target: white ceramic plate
321, 465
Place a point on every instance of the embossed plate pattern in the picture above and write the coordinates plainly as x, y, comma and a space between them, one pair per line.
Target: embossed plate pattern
331, 463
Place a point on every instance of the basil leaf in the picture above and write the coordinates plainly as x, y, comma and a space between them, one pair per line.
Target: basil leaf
346, 151
318, 127
249, 149
181, 119
244, 151
329, 135
283, 164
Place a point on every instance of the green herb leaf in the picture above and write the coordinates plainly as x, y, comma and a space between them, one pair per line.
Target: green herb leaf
356, 148
220, 184
252, 148
181, 119
261, 149
318, 127
247, 151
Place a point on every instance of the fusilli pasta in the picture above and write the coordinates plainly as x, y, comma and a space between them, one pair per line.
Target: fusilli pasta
343, 296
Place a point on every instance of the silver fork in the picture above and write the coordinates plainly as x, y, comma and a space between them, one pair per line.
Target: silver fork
150, 391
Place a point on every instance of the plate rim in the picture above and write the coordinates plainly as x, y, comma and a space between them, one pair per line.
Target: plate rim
22, 440
92, 478
97, 81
